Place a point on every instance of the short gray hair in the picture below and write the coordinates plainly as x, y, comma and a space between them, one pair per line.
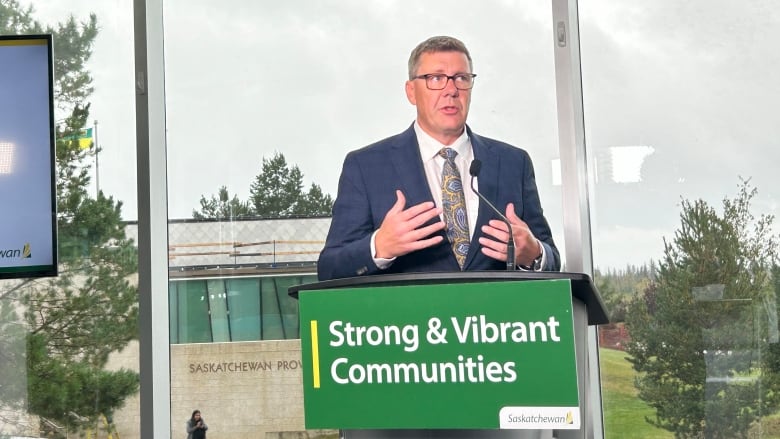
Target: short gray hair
436, 44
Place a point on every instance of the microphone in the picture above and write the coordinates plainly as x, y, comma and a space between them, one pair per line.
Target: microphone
476, 166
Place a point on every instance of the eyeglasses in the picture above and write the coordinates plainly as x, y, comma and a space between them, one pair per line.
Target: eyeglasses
438, 81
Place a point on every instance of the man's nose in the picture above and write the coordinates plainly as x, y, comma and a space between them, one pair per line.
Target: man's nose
450, 89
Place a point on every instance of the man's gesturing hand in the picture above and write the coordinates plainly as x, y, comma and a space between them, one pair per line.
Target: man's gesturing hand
401, 231
527, 248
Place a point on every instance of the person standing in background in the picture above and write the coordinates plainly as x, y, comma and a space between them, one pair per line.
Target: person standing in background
196, 426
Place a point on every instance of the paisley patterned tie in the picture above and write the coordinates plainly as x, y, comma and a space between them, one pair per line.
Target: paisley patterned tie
453, 203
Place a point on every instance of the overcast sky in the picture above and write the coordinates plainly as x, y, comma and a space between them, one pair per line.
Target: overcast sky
691, 83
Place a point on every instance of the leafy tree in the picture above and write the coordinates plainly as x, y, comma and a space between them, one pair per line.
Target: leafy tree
700, 333
70, 324
276, 192
72, 44
613, 300
222, 206
619, 287
75, 393
315, 202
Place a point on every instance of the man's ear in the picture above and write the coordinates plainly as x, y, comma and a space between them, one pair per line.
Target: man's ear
410, 92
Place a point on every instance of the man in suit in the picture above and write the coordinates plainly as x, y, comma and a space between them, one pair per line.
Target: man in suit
404, 204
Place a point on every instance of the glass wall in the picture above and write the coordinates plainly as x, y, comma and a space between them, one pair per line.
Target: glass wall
258, 91
68, 355
314, 81
681, 131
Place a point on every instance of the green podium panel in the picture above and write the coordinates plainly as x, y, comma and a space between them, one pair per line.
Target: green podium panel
483, 355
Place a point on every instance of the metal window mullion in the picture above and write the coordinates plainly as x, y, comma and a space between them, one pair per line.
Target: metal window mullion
575, 181
154, 338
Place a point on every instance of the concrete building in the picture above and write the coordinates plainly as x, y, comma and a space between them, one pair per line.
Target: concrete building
235, 352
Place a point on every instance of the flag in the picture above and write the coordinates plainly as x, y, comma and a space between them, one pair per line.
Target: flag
84, 137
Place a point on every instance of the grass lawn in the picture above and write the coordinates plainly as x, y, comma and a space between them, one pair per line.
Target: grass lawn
624, 413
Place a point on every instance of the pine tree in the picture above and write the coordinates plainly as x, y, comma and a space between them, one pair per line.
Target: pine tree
276, 192
222, 206
701, 340
315, 202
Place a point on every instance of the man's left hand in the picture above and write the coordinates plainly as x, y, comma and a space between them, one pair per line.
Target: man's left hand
494, 245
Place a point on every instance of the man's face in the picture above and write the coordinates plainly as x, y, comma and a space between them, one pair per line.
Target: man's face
440, 113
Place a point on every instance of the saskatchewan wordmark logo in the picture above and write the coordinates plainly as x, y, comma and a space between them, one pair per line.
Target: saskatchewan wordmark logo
16, 253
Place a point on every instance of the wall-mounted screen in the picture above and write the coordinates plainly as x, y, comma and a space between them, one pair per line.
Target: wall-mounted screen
28, 226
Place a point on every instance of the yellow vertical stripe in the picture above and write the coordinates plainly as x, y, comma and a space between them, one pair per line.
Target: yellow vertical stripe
315, 354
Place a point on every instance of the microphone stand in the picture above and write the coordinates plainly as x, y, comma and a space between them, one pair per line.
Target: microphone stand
476, 166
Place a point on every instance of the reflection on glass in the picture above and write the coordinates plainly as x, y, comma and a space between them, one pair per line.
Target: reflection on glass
684, 249
6, 157
67, 362
244, 304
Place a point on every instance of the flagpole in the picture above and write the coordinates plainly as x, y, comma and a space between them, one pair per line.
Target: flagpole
97, 170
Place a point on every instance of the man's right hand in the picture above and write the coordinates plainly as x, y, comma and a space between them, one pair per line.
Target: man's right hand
399, 233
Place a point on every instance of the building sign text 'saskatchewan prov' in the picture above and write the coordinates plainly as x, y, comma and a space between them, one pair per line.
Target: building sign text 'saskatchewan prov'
466, 355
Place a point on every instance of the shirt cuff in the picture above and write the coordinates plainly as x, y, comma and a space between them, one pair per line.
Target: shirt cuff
543, 262
381, 263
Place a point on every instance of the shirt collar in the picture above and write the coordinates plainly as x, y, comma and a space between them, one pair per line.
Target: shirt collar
430, 147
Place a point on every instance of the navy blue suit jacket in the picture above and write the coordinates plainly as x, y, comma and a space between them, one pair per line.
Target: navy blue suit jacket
369, 179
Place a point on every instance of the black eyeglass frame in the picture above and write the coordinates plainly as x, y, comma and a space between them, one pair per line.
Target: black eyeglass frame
471, 76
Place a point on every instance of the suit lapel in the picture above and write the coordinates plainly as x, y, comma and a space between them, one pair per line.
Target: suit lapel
409, 168
488, 186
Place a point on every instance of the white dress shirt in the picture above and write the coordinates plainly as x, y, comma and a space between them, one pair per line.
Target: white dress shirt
433, 164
